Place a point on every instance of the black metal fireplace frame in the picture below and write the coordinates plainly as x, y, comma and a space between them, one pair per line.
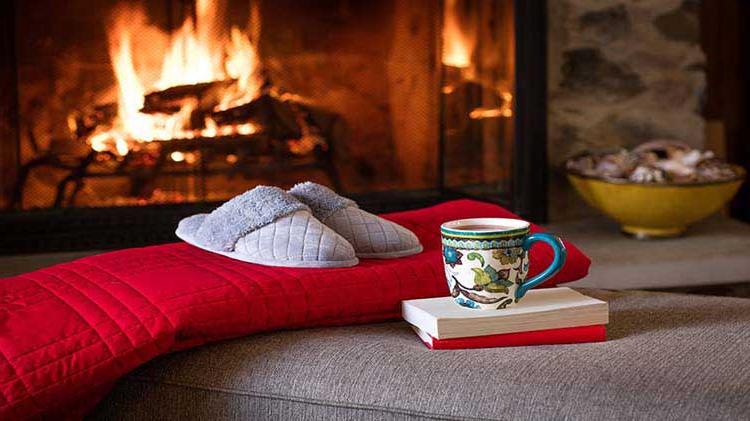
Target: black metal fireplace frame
70, 229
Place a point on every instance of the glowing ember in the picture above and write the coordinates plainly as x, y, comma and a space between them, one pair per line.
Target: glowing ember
482, 113
504, 110
196, 53
177, 156
247, 129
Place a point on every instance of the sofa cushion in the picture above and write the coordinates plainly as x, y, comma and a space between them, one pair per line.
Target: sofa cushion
668, 356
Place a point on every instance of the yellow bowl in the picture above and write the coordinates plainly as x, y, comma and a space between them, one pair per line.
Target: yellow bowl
656, 210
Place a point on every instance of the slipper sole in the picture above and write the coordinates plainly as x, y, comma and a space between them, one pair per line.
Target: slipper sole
392, 254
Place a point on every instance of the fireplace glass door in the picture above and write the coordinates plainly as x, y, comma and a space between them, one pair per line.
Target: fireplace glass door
132, 103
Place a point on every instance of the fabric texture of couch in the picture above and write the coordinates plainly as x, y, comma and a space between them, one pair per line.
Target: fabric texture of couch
667, 357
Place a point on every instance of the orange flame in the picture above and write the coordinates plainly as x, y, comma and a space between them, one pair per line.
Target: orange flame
195, 54
188, 60
457, 45
242, 64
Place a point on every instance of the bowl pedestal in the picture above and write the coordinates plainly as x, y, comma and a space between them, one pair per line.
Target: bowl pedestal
647, 233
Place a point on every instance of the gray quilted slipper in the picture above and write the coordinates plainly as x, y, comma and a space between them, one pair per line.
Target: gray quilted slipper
371, 235
268, 226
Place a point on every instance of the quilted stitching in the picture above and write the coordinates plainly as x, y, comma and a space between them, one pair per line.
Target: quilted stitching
369, 233
68, 331
296, 237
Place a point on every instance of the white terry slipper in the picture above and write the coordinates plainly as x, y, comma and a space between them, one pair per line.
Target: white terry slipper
268, 226
372, 236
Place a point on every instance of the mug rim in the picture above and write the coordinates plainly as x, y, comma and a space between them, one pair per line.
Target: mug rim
514, 226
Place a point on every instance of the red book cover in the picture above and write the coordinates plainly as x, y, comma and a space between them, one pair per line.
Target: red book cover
567, 335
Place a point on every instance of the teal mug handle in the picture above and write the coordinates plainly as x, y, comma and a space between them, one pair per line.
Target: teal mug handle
557, 263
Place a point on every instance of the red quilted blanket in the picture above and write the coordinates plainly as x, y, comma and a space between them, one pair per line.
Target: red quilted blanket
68, 332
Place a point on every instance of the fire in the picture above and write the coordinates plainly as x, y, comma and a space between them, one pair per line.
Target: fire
504, 110
457, 46
196, 53
188, 61
242, 65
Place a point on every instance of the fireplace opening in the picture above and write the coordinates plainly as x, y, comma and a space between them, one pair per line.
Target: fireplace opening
163, 108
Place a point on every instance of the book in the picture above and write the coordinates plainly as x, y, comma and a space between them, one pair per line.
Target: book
566, 335
540, 309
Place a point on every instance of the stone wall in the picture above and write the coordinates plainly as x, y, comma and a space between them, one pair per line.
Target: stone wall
621, 72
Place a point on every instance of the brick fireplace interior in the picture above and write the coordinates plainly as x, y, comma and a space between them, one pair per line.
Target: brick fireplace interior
125, 114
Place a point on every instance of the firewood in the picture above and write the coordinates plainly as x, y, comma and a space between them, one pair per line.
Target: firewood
171, 100
277, 118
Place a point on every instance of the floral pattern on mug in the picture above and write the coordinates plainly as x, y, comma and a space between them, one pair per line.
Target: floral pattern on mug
464, 302
508, 256
488, 278
452, 256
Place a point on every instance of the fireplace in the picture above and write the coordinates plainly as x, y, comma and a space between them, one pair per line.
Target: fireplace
120, 117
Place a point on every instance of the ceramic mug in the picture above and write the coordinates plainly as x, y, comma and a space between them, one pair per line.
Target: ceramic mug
487, 259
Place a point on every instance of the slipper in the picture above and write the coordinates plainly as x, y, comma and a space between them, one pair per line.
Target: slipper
268, 226
372, 236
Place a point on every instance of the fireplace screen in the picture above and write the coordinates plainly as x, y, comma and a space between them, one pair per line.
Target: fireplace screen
128, 103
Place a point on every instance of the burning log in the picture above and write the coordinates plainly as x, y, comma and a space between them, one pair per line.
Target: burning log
277, 117
171, 100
